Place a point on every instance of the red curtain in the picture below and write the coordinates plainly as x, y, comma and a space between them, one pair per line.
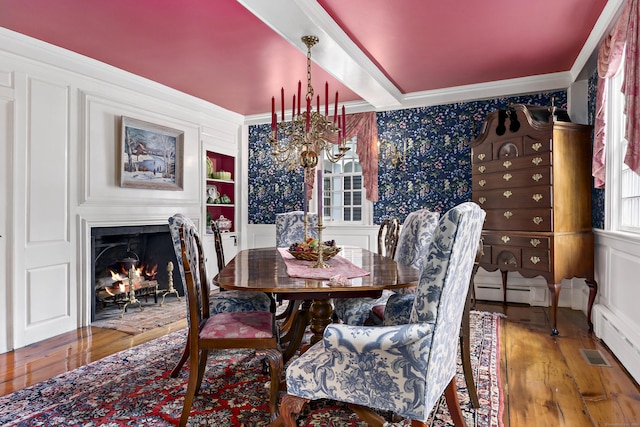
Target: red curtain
365, 127
624, 33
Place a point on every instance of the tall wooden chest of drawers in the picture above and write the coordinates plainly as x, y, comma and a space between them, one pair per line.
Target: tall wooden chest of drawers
532, 176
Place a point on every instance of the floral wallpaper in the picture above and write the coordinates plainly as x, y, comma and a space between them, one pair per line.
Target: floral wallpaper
434, 170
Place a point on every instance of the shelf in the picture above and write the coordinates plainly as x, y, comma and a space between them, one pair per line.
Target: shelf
220, 181
225, 187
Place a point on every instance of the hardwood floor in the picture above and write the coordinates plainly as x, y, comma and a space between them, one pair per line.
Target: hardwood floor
545, 379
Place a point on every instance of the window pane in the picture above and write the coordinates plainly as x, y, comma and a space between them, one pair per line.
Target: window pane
346, 195
357, 182
347, 182
357, 198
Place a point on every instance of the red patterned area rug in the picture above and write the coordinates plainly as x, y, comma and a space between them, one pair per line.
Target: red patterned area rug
133, 388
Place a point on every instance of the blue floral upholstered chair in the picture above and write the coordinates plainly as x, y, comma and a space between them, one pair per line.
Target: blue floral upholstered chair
256, 330
219, 302
400, 368
290, 227
290, 230
413, 243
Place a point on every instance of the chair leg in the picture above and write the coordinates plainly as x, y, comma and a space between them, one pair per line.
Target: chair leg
191, 391
275, 369
367, 415
202, 366
465, 350
185, 355
290, 407
451, 396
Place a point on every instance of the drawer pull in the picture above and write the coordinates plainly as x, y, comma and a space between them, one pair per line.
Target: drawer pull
534, 242
537, 220
505, 239
537, 146
507, 176
507, 194
535, 259
507, 164
537, 197
481, 156
482, 200
536, 177
481, 169
482, 182
536, 160
508, 214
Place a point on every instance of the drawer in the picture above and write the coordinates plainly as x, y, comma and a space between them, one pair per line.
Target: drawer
506, 257
514, 198
519, 219
536, 144
510, 164
507, 239
481, 153
510, 148
514, 178
536, 259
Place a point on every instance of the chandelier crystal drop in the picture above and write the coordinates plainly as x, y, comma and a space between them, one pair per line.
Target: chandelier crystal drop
309, 134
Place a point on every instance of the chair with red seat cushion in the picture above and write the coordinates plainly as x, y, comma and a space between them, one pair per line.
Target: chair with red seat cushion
249, 329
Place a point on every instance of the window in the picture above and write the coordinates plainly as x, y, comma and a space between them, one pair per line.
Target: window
344, 193
623, 188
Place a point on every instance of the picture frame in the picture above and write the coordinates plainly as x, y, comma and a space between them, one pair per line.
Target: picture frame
151, 156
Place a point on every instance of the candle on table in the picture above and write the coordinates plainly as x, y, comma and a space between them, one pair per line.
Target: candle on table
319, 185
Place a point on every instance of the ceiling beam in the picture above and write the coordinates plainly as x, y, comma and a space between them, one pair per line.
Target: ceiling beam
336, 53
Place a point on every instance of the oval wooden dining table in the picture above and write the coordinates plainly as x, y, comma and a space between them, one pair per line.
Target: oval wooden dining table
264, 270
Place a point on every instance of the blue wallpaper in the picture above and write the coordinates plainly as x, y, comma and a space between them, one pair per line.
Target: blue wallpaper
436, 174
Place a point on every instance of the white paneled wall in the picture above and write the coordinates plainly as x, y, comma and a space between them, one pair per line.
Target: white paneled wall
616, 315
60, 118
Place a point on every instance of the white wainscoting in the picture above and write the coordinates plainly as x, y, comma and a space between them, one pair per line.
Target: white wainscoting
616, 314
264, 236
59, 129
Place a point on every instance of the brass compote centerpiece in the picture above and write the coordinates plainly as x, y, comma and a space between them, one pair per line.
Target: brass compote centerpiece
308, 138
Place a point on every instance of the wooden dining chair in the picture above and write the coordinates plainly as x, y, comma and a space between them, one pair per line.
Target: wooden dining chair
219, 302
388, 235
232, 330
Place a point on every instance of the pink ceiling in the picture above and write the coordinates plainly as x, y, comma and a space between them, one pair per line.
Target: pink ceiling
222, 53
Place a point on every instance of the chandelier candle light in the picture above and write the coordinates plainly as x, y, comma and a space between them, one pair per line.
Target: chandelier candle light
308, 136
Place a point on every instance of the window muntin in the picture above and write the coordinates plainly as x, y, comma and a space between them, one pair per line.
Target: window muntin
623, 185
344, 198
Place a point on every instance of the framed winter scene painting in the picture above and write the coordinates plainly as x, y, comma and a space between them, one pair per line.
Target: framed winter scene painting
151, 156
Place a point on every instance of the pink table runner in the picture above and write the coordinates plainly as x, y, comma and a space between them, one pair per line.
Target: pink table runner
339, 267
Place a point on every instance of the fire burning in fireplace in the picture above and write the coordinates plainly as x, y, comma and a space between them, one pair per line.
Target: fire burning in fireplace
115, 250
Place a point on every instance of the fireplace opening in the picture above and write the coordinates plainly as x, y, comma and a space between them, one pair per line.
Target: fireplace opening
147, 248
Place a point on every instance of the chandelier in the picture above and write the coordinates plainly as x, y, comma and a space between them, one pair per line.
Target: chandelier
309, 134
